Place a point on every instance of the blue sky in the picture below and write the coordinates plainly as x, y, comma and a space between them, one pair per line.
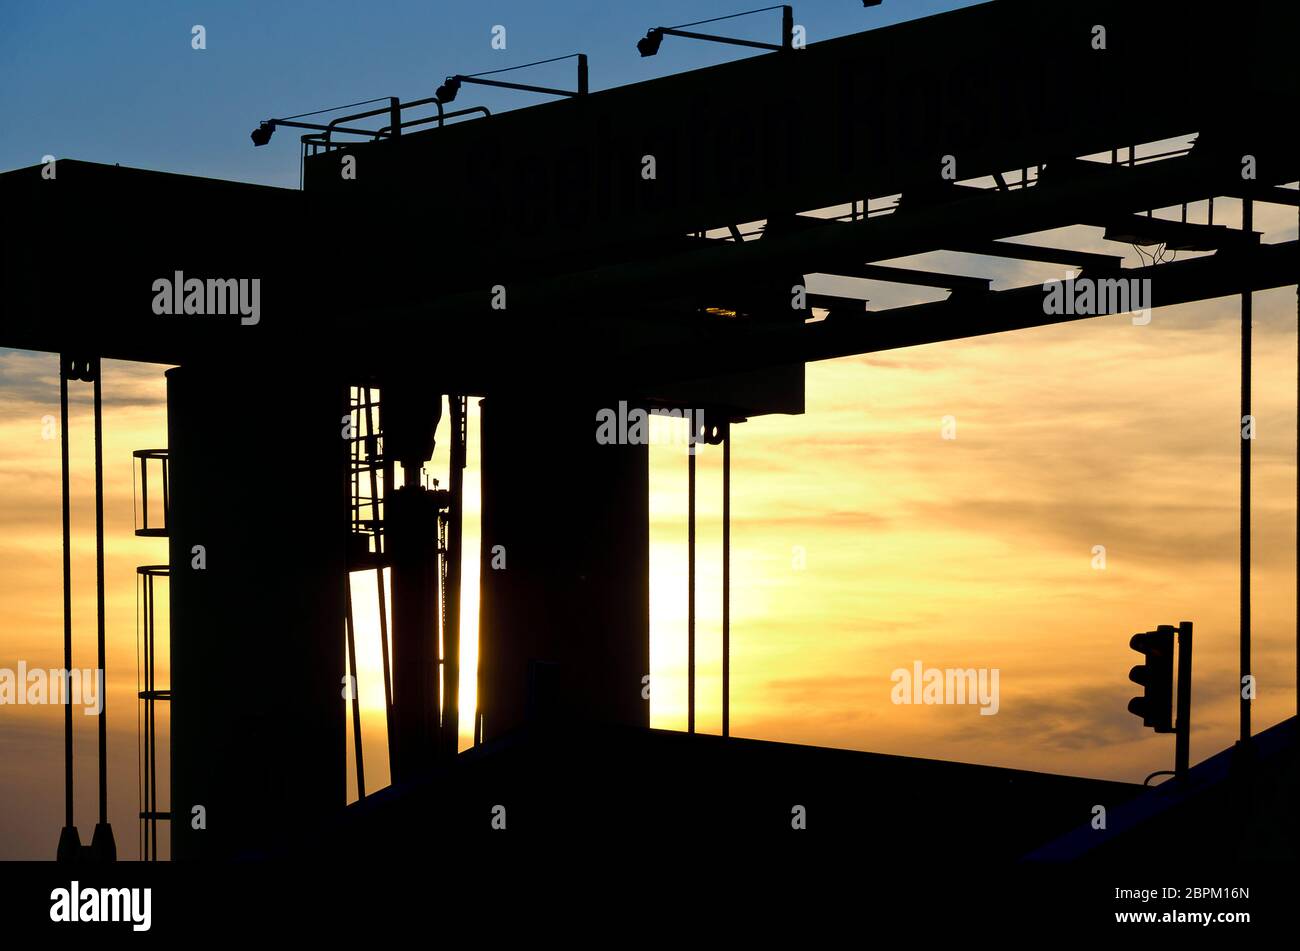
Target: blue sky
119, 82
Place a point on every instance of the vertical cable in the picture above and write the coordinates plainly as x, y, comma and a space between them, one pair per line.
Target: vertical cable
690, 580
67, 592
99, 595
1247, 223
726, 580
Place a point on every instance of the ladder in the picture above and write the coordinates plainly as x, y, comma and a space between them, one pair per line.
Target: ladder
371, 475
148, 690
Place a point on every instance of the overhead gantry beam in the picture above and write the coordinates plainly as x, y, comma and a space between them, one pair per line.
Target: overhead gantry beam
551, 318
1022, 308
845, 333
719, 270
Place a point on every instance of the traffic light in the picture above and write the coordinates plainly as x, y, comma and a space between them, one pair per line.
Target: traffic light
1156, 675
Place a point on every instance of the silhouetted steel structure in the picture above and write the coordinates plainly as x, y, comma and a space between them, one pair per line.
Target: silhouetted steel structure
527, 259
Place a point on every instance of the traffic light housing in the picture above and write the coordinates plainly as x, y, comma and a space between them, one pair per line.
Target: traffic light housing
1156, 675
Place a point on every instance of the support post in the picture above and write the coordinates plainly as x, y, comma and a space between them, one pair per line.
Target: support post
726, 579
257, 589
690, 578
410, 411
1247, 222
564, 602
412, 520
451, 636
1183, 726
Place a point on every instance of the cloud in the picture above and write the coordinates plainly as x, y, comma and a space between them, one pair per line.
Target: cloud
27, 377
1089, 716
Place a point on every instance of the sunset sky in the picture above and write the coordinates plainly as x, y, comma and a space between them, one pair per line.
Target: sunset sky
970, 552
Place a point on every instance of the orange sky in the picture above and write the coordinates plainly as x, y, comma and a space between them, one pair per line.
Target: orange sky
973, 552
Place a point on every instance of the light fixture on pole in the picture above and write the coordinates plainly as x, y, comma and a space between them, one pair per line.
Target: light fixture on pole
451, 85
262, 134
649, 44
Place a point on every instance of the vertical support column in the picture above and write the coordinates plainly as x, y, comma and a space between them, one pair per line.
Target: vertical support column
564, 586
259, 531
411, 525
410, 411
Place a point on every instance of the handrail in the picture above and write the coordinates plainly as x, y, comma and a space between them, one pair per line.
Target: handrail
441, 116
395, 107
322, 135
319, 138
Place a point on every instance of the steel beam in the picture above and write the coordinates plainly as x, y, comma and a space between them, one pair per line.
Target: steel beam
1037, 252
1148, 230
1178, 282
